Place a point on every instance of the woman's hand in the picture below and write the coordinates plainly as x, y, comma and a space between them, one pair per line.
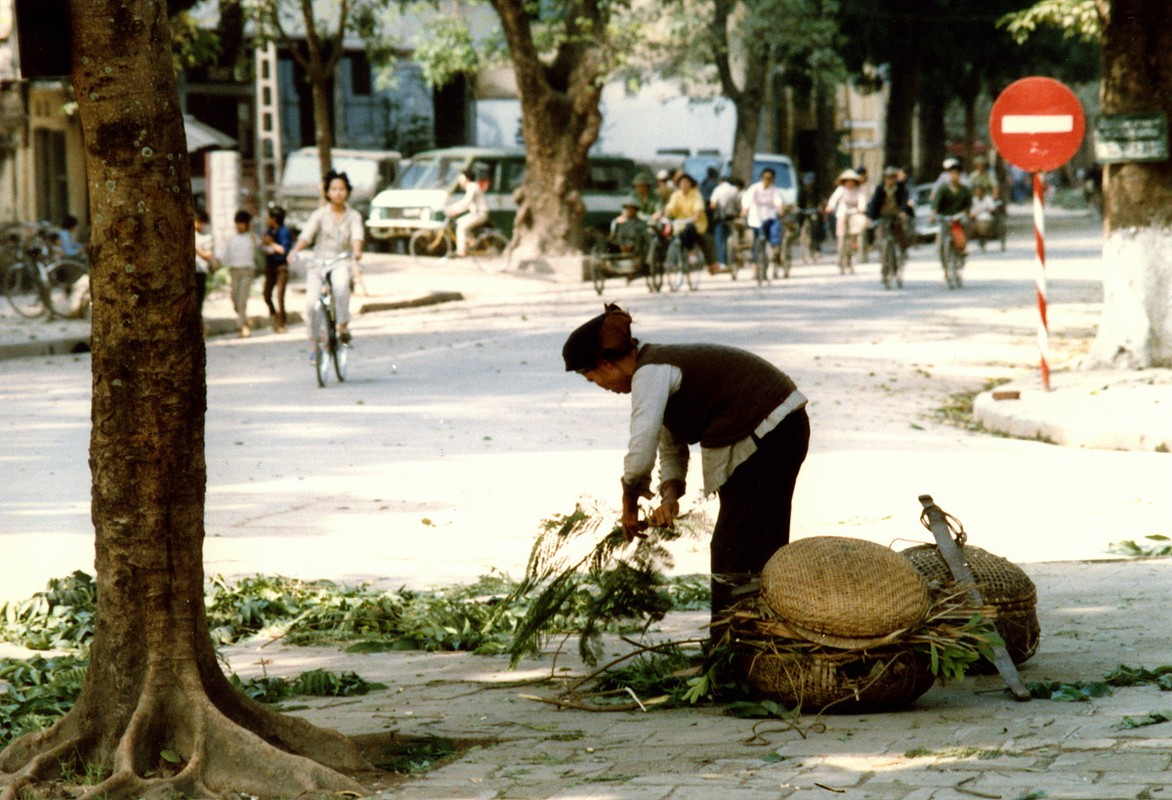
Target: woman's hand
632, 527
664, 515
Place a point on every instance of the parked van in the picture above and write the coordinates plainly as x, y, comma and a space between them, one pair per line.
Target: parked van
785, 177
300, 192
428, 185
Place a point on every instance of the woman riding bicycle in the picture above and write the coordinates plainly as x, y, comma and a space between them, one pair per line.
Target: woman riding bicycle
332, 229
846, 201
687, 205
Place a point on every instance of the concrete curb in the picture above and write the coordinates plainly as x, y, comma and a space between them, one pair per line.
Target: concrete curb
78, 340
1109, 410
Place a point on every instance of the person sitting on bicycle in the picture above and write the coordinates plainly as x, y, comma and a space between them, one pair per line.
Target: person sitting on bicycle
470, 211
725, 205
650, 206
889, 202
847, 200
332, 229
628, 231
951, 199
761, 206
687, 205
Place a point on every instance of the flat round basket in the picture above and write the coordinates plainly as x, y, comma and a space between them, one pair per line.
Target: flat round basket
1002, 584
843, 592
848, 682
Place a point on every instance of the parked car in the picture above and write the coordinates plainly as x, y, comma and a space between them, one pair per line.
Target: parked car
428, 185
926, 230
300, 192
784, 174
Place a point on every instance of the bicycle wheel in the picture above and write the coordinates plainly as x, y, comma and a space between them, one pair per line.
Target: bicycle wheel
674, 265
951, 271
889, 269
491, 245
762, 255
23, 290
654, 269
63, 288
321, 343
597, 268
787, 256
341, 356
692, 271
426, 242
730, 253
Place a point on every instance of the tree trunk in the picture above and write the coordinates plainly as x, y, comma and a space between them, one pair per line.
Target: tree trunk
933, 146
323, 129
826, 166
1136, 328
560, 121
901, 108
153, 682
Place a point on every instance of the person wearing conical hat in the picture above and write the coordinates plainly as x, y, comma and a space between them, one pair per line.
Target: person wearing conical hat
748, 417
847, 200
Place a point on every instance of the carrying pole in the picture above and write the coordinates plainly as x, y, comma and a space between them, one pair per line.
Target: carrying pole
954, 558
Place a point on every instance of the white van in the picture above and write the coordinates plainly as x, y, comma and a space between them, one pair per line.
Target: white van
300, 192
428, 185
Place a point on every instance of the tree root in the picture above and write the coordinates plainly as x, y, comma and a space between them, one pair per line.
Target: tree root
180, 744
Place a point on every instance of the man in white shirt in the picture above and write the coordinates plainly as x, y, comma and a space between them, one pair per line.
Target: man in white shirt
471, 210
761, 205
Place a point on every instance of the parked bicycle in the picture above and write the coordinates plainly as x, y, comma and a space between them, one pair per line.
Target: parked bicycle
38, 284
329, 351
440, 241
889, 232
953, 241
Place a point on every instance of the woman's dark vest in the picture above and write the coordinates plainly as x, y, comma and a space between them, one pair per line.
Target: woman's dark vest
724, 394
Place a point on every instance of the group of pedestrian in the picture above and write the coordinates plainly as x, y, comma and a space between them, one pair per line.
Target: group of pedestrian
334, 228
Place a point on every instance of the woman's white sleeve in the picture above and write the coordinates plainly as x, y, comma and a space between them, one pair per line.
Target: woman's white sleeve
651, 386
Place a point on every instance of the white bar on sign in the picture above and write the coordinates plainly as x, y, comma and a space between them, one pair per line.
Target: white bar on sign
1037, 123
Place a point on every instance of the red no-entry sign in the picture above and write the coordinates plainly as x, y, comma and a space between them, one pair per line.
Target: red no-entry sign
1037, 124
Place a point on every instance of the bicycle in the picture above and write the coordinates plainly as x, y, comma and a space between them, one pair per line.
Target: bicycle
807, 226
852, 239
37, 286
328, 347
764, 254
681, 263
889, 232
440, 240
953, 240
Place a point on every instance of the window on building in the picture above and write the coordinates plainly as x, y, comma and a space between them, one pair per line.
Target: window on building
52, 180
360, 80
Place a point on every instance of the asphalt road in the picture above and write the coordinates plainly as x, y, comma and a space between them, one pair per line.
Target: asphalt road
458, 430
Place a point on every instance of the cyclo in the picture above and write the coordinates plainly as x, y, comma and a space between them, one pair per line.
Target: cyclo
633, 248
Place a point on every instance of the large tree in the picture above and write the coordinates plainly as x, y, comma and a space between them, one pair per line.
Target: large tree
315, 35
1135, 36
153, 683
559, 91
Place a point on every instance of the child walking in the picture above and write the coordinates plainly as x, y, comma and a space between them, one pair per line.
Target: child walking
239, 255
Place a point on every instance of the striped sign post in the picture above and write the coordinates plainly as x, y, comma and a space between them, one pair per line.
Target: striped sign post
1037, 124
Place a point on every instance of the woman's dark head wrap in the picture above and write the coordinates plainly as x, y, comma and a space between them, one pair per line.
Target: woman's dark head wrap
606, 337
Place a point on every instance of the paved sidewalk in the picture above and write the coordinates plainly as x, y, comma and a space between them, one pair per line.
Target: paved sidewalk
963, 740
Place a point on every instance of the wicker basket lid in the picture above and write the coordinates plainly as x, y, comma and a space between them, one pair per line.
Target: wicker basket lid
999, 579
843, 592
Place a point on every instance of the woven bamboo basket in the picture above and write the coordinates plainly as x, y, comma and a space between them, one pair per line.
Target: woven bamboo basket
843, 592
842, 682
1003, 585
